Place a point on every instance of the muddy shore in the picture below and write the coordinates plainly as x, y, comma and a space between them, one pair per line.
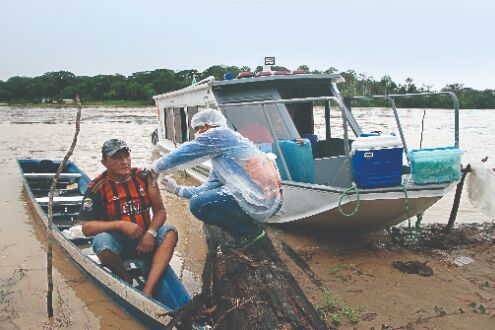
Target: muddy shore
355, 285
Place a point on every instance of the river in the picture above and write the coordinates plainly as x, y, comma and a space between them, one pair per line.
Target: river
47, 133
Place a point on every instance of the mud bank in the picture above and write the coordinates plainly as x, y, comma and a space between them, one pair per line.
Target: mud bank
353, 281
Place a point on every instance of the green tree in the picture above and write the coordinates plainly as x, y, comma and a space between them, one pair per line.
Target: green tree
330, 70
279, 68
303, 67
141, 86
185, 77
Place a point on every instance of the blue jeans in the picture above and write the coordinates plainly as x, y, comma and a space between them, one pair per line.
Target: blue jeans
123, 245
214, 207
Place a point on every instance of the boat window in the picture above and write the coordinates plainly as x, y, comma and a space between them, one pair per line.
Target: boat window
302, 115
191, 111
250, 121
180, 125
326, 138
329, 138
169, 123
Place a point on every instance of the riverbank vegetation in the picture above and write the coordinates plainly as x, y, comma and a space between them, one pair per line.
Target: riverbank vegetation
137, 89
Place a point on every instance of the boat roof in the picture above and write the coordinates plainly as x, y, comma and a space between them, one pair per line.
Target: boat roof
290, 78
258, 81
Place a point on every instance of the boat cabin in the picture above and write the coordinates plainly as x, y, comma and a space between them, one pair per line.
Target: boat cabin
270, 111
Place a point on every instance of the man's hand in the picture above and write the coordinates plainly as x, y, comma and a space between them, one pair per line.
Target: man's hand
146, 244
170, 184
130, 229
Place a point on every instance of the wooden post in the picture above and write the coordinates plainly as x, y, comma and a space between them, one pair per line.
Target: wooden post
457, 199
49, 253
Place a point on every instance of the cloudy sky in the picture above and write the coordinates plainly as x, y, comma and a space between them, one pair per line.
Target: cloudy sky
434, 42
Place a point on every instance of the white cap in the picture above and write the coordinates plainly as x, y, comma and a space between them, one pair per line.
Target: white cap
208, 116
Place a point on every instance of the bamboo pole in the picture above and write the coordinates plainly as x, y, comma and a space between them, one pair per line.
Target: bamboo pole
49, 253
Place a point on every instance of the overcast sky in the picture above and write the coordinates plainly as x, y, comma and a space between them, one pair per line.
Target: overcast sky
435, 42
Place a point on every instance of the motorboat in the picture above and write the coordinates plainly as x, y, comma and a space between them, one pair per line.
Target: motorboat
340, 178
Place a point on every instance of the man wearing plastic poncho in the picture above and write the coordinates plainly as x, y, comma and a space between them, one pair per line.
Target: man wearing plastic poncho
243, 188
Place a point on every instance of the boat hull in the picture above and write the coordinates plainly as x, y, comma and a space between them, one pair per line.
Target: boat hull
370, 215
322, 208
317, 206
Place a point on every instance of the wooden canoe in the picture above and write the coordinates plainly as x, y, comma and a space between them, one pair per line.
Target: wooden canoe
72, 183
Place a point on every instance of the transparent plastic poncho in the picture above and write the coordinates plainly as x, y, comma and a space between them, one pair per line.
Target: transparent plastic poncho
239, 168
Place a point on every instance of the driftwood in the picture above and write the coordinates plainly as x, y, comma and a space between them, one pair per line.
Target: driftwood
250, 288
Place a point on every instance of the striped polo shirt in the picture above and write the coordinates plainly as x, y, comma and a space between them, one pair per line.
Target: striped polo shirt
106, 199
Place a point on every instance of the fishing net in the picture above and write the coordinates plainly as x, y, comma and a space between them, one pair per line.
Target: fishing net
481, 186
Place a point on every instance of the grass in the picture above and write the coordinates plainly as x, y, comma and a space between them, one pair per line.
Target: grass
477, 308
338, 271
335, 310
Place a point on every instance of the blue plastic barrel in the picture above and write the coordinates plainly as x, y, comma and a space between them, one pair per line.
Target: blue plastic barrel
299, 158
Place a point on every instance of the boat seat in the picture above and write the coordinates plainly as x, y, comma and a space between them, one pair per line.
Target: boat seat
65, 215
68, 200
82, 240
51, 175
332, 147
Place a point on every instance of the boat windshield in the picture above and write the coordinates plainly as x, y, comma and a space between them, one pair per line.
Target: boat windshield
250, 120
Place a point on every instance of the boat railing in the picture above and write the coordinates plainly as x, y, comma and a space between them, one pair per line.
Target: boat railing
205, 80
289, 101
391, 99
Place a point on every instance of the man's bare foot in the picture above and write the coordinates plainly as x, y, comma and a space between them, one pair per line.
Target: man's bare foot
147, 291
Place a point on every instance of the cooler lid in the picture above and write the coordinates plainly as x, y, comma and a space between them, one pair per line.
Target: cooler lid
376, 142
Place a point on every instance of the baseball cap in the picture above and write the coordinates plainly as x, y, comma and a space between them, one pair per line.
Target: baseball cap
110, 147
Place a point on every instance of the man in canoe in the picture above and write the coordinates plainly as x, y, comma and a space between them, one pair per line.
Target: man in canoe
116, 211
243, 188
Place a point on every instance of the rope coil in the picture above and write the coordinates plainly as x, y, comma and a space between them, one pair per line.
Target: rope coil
352, 187
417, 228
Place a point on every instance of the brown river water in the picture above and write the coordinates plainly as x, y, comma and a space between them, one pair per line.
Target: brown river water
47, 133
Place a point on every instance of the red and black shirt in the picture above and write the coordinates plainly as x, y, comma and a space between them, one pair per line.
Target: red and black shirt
106, 199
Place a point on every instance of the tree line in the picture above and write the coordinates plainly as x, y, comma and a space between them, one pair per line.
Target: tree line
141, 86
